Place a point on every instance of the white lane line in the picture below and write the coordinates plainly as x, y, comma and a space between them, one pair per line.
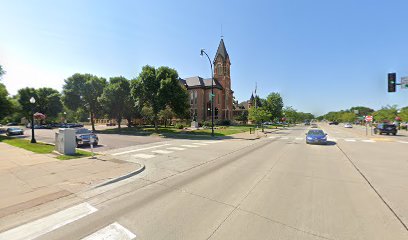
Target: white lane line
284, 138
200, 144
112, 232
176, 148
47, 224
140, 149
144, 156
350, 140
298, 138
162, 151
368, 141
189, 146
402, 142
331, 139
272, 137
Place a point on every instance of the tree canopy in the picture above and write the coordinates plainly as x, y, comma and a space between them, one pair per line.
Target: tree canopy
274, 104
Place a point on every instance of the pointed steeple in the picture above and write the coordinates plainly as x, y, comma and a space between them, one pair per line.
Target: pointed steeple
222, 51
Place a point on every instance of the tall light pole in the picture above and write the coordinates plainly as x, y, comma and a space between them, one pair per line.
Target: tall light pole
212, 92
32, 101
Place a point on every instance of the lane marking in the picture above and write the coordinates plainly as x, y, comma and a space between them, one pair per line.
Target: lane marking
368, 141
112, 232
176, 148
272, 137
298, 138
284, 138
189, 146
47, 224
162, 151
219, 141
144, 156
402, 142
350, 140
200, 144
140, 149
331, 139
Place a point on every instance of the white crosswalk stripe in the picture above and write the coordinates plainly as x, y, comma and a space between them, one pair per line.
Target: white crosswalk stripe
272, 137
200, 144
144, 156
350, 140
113, 231
162, 151
47, 224
189, 146
176, 148
368, 141
402, 141
284, 138
331, 139
298, 138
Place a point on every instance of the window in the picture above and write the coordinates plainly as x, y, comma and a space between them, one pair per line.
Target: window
219, 69
195, 97
191, 97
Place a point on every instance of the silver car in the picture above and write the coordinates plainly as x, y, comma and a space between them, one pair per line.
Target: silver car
85, 136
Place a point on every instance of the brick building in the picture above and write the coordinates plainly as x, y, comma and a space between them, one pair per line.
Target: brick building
200, 89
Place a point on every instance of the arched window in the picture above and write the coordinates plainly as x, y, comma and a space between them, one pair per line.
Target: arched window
219, 69
191, 97
195, 97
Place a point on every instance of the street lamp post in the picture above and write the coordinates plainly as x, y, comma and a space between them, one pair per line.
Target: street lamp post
32, 101
212, 92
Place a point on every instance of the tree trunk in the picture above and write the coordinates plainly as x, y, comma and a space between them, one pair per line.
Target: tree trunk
92, 121
155, 123
165, 123
119, 120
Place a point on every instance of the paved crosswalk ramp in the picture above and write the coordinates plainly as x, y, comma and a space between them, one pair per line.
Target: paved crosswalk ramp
47, 224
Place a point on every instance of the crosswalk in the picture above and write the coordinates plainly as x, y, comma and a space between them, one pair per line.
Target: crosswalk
350, 140
45, 225
164, 149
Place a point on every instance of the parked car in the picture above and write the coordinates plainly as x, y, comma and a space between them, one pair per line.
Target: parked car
14, 131
333, 123
83, 136
12, 124
348, 125
316, 136
387, 128
314, 125
72, 125
307, 123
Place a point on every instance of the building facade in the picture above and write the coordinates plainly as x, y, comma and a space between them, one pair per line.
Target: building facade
200, 90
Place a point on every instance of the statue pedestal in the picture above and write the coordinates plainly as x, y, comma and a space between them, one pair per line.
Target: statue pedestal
194, 124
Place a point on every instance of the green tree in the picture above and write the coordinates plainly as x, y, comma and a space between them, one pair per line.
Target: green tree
274, 104
82, 91
387, 113
362, 111
259, 115
6, 105
49, 102
158, 89
291, 114
243, 117
404, 114
348, 117
24, 95
116, 98
166, 115
2, 72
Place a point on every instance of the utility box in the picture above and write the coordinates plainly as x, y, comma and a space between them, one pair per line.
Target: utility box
65, 141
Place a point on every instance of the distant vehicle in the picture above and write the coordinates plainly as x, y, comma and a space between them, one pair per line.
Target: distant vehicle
307, 123
12, 124
386, 128
314, 125
333, 123
72, 125
316, 136
14, 131
110, 124
83, 136
348, 125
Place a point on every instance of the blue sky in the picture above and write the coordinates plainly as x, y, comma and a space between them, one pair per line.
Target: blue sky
320, 55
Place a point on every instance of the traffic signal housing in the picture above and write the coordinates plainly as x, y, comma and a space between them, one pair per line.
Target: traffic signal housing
392, 82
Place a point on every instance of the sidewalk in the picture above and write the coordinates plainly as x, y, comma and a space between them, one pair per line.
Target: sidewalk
28, 179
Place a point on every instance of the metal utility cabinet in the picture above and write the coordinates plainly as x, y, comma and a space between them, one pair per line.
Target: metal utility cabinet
65, 141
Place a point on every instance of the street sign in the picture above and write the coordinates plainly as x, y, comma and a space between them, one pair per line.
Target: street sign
404, 82
369, 118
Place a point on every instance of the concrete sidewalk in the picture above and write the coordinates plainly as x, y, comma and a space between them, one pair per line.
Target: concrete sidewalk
28, 179
252, 136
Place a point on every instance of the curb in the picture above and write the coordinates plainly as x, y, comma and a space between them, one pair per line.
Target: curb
123, 177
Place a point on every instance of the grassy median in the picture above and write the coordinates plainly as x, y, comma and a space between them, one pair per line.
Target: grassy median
41, 148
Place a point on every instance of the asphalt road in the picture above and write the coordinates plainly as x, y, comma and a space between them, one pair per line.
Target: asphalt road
273, 188
106, 141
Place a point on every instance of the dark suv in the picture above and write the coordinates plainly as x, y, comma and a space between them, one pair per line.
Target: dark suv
385, 128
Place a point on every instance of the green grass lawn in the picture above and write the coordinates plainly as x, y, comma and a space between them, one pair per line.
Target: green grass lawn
170, 130
41, 148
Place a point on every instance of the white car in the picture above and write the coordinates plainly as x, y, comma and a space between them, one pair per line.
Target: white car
348, 125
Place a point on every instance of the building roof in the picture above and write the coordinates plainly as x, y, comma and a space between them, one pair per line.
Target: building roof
221, 51
199, 82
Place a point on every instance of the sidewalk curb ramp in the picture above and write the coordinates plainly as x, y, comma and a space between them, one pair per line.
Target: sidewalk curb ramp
123, 177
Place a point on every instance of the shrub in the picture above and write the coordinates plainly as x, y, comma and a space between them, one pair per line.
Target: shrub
224, 122
179, 126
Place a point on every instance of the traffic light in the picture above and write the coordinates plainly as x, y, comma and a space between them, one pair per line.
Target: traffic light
392, 82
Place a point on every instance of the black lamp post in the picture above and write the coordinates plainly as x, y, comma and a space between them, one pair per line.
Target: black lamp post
32, 101
212, 92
